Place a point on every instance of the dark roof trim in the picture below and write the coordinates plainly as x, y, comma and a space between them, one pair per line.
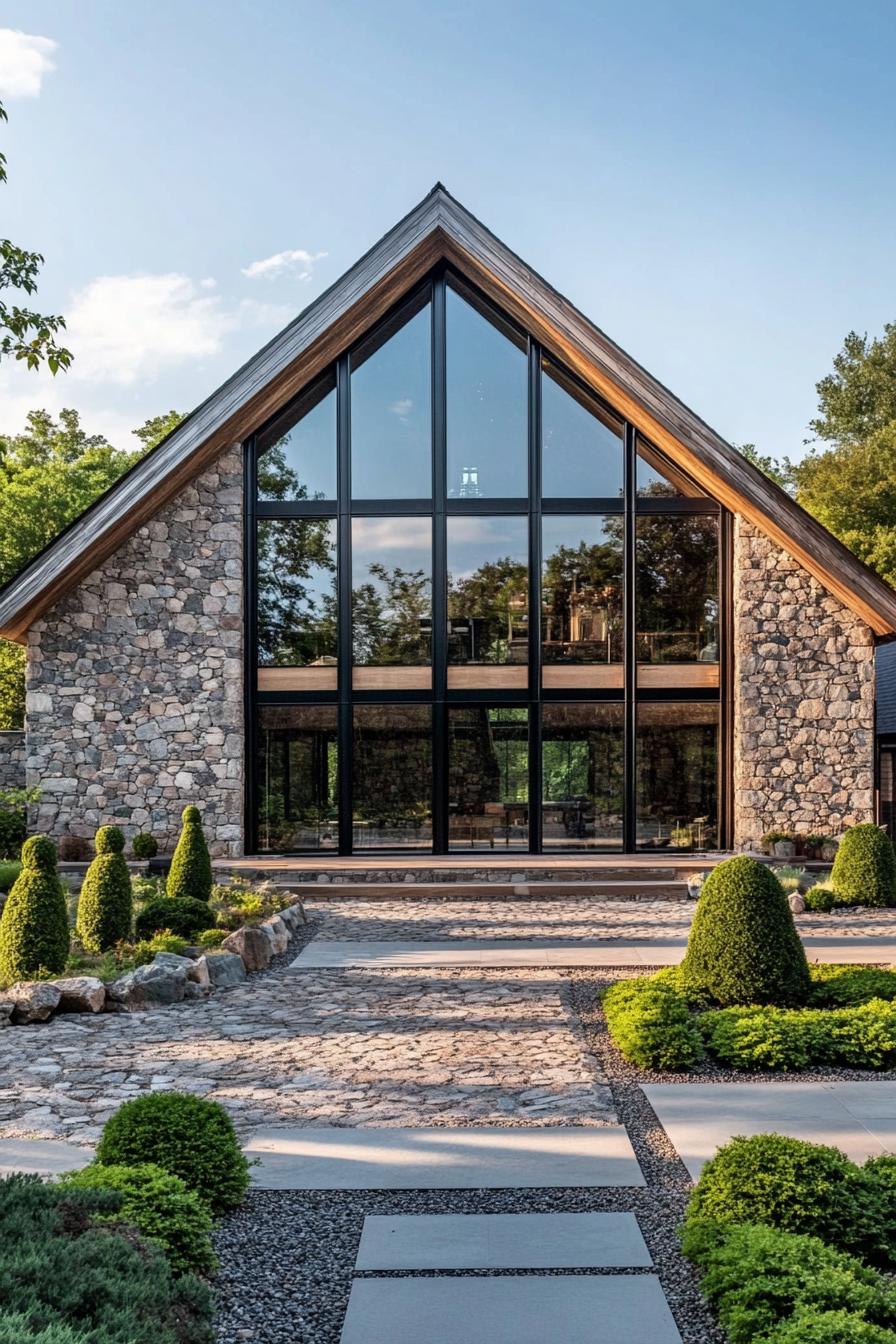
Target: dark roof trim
439, 227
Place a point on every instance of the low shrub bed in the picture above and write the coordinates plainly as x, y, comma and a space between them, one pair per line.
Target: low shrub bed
652, 1025
860, 1037
789, 1238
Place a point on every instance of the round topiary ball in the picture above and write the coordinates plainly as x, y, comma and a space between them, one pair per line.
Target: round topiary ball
864, 871
190, 874
191, 1137
795, 1186
744, 947
34, 934
144, 846
106, 903
109, 840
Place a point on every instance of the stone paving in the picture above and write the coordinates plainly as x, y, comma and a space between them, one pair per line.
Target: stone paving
328, 1048
432, 921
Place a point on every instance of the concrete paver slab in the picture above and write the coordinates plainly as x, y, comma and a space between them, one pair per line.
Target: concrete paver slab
41, 1157
859, 1118
502, 1241
517, 1309
481, 1158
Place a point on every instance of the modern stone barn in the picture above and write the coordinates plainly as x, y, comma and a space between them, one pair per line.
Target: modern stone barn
442, 569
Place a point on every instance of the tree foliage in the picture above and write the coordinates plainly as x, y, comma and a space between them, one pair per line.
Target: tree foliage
25, 335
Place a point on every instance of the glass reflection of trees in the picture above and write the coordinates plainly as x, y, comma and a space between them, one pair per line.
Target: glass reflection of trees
391, 594
677, 588
582, 588
296, 592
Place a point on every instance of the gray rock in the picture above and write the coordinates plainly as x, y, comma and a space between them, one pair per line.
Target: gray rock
294, 915
6, 1011
81, 994
253, 945
148, 985
796, 903
275, 929
223, 968
172, 959
194, 991
33, 1000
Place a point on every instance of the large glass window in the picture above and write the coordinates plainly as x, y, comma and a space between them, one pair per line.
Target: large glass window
296, 592
295, 761
392, 412
488, 777
391, 591
658, 478
392, 777
581, 442
677, 767
297, 456
487, 404
677, 588
583, 776
488, 589
581, 589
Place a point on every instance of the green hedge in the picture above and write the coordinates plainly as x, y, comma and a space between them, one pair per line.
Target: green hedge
864, 871
743, 946
861, 1037
189, 1136
758, 1278
800, 1187
161, 1207
63, 1273
651, 1025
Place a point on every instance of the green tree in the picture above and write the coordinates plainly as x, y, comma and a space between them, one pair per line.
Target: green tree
781, 472
24, 334
12, 686
157, 428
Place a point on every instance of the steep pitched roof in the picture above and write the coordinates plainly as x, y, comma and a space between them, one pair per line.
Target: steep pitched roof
438, 228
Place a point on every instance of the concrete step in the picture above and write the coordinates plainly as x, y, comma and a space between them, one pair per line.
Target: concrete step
556, 889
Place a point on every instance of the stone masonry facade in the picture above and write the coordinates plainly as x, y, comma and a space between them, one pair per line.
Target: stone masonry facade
804, 699
135, 678
12, 760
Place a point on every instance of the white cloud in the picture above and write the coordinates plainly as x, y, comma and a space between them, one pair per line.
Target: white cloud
24, 60
295, 260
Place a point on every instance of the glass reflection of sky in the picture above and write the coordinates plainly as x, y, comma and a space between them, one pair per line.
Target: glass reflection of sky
392, 416
473, 542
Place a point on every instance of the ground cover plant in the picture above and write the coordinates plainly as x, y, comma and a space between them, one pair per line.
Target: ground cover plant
790, 1238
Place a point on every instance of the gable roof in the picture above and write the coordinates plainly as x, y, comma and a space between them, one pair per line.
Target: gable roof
439, 228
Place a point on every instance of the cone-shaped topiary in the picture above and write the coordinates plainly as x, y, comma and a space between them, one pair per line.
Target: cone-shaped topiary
106, 905
864, 871
191, 868
34, 933
744, 947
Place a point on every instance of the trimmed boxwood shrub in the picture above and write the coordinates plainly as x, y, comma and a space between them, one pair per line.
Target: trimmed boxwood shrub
651, 1024
183, 917
61, 1269
838, 986
743, 946
798, 1187
757, 1277
34, 934
862, 1036
161, 1207
190, 1136
106, 905
190, 874
144, 846
864, 871
820, 899
828, 1327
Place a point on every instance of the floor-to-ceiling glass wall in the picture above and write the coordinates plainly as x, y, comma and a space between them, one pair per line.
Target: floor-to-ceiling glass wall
486, 615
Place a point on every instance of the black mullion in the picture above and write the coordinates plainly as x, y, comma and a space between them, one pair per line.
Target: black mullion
535, 764
344, 604
439, 574
250, 652
631, 644
726, 681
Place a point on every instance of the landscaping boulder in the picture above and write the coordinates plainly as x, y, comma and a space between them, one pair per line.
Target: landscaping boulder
33, 1000
275, 929
194, 991
81, 994
6, 1011
796, 903
146, 986
223, 968
294, 915
253, 945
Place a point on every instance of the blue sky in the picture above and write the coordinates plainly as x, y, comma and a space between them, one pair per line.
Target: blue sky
712, 183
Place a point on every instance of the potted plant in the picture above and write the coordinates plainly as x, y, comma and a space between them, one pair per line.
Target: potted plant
812, 844
829, 847
781, 844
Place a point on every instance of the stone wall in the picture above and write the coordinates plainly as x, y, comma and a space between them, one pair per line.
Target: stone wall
804, 699
12, 760
135, 678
